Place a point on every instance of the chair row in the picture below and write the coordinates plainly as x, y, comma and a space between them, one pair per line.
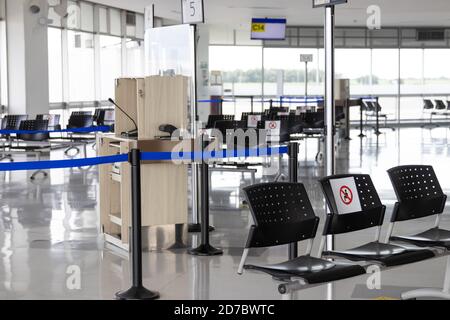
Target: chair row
78, 119
283, 214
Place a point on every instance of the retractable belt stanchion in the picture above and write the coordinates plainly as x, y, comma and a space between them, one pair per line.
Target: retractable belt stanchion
361, 120
293, 177
377, 128
137, 291
205, 248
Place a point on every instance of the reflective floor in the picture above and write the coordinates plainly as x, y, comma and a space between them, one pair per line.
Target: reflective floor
51, 246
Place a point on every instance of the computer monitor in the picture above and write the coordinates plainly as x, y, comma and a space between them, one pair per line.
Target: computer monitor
268, 29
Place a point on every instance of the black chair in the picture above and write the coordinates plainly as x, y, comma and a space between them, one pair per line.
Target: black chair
54, 120
228, 127
360, 209
104, 117
419, 195
79, 120
428, 104
283, 214
212, 119
10, 122
440, 105
37, 149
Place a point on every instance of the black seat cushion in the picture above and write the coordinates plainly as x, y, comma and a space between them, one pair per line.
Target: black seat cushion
387, 254
312, 270
432, 238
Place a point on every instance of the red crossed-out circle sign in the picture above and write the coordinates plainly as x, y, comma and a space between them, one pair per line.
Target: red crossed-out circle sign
272, 125
346, 195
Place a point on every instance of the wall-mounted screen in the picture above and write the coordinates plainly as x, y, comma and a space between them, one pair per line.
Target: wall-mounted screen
269, 29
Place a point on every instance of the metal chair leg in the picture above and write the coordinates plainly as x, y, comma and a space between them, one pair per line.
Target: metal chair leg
242, 264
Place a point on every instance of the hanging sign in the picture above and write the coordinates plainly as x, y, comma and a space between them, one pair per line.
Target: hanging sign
192, 11
306, 58
327, 3
346, 195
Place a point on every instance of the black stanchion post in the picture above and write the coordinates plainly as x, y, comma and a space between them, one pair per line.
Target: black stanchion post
205, 248
293, 177
137, 291
377, 130
361, 120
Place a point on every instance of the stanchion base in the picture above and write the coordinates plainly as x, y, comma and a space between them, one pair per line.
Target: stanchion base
378, 133
178, 246
197, 228
348, 138
362, 136
205, 250
137, 293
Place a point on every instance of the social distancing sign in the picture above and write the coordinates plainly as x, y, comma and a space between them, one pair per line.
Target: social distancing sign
253, 121
346, 195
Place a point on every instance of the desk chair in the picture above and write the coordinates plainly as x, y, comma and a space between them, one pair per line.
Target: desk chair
79, 119
355, 205
420, 195
54, 120
33, 148
11, 122
283, 214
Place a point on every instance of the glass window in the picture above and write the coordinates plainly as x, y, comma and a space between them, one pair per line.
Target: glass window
285, 63
385, 79
135, 59
354, 64
241, 74
436, 71
110, 64
411, 70
115, 24
55, 65
81, 66
87, 16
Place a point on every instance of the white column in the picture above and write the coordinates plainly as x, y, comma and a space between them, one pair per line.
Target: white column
27, 37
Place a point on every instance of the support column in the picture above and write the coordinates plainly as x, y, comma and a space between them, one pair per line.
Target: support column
27, 42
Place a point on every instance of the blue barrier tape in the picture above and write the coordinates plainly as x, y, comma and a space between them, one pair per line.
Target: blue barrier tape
75, 130
145, 156
62, 164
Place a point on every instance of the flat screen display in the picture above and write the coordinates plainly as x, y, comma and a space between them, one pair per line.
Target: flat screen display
269, 29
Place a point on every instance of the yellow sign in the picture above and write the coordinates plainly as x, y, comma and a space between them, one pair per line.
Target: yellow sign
259, 27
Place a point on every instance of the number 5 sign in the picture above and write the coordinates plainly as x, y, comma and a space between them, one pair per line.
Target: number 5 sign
192, 11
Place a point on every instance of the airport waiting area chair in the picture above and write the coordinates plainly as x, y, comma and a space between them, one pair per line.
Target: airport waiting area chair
283, 214
33, 143
78, 120
354, 205
10, 122
212, 119
420, 195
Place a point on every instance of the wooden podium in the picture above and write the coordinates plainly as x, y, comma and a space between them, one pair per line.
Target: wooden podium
151, 102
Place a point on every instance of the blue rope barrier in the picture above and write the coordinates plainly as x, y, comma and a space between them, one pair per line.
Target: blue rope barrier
75, 130
62, 164
145, 156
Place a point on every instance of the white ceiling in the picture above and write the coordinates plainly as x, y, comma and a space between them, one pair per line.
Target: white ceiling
236, 14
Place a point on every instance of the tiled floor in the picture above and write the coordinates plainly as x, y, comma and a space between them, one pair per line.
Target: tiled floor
50, 232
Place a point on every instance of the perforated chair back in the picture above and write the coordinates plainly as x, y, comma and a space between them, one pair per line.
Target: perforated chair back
34, 125
78, 120
418, 192
428, 104
54, 120
440, 105
315, 120
448, 105
12, 122
212, 119
282, 213
368, 214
